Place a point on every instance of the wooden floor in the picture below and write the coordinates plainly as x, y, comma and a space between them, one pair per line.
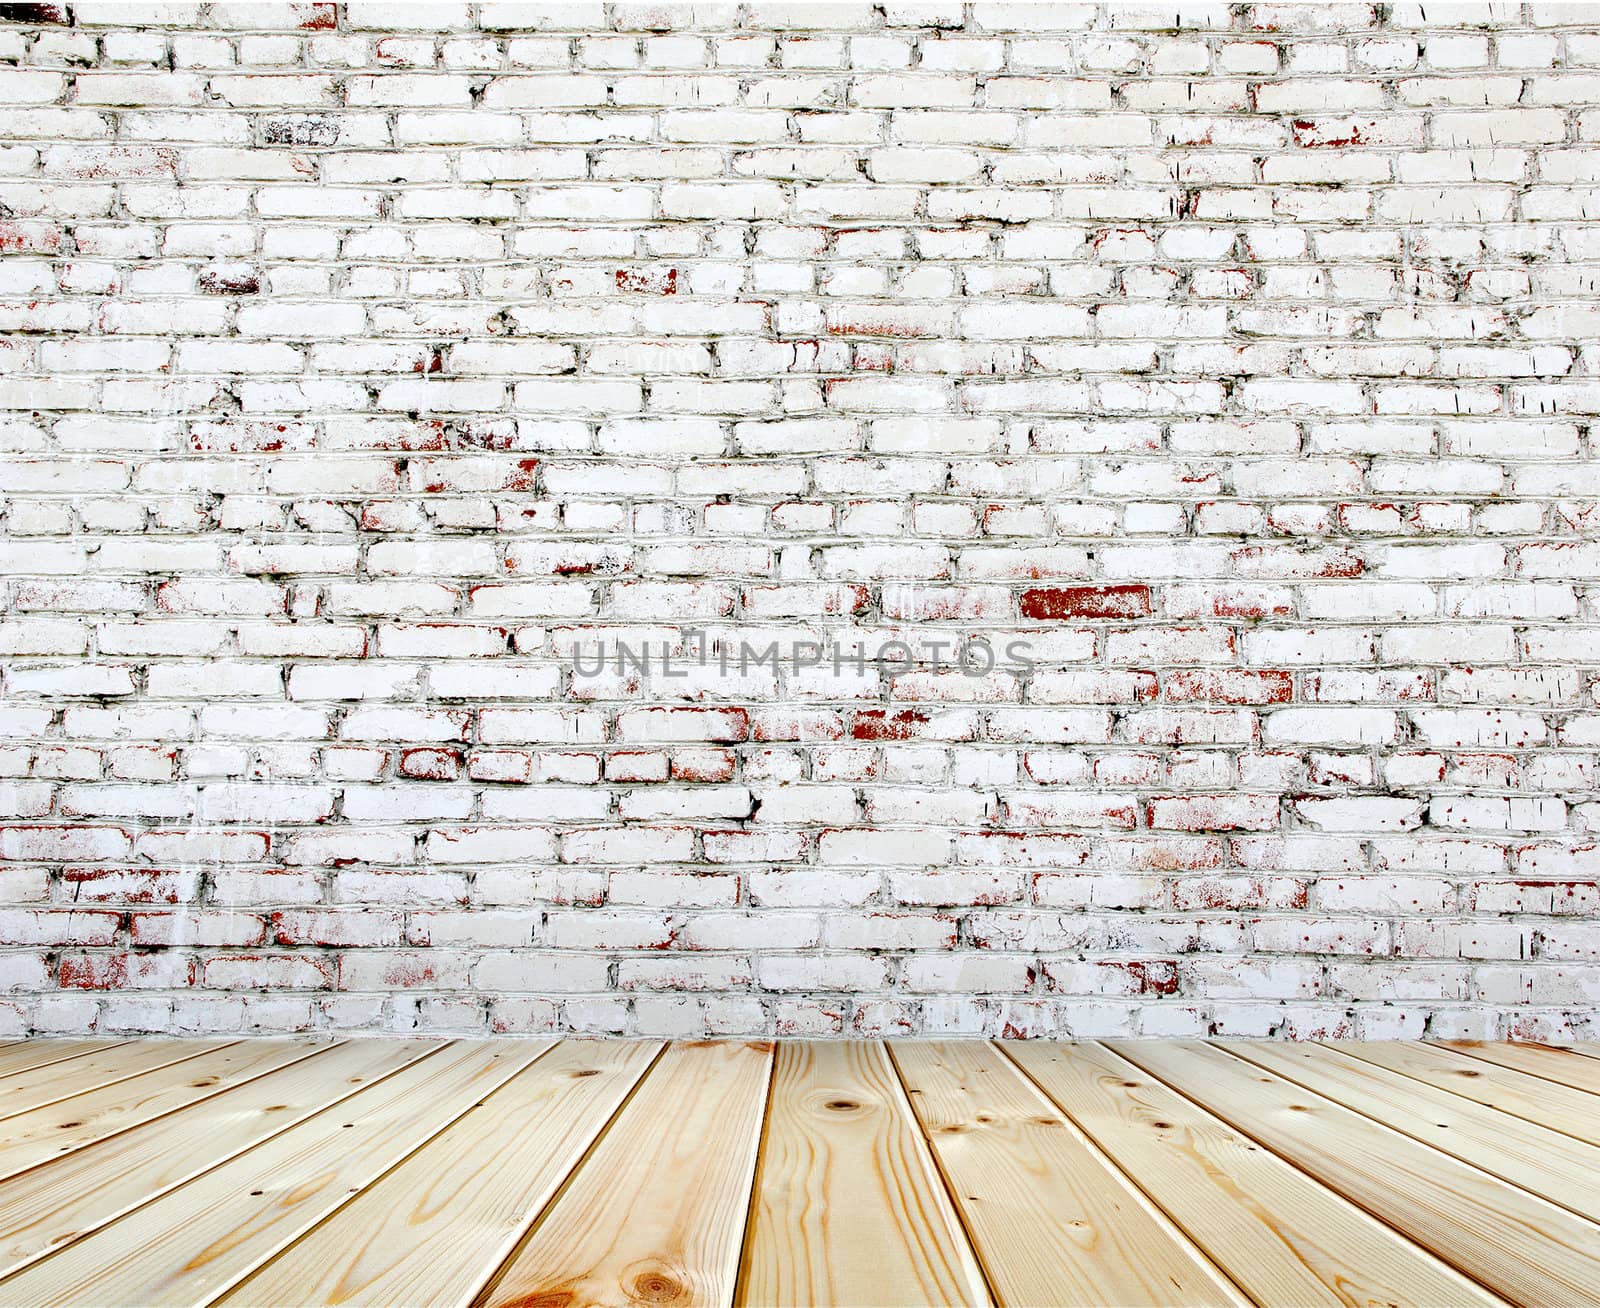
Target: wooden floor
559, 1174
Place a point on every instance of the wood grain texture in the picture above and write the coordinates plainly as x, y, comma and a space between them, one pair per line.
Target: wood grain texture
1284, 1238
1054, 1223
1562, 1170
656, 1214
192, 1243
49, 1205
1534, 1099
43, 1134
432, 1230
1520, 1246
39, 1086
538, 1174
1566, 1067
849, 1205
26, 1054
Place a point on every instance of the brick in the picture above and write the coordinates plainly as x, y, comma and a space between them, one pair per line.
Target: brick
1215, 813
1043, 604
508, 332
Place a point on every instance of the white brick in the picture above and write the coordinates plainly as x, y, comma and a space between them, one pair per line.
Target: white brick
1233, 379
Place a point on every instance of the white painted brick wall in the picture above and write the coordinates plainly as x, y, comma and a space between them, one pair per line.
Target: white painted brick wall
362, 363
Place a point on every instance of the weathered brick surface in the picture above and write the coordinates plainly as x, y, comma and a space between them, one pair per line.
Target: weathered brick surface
365, 364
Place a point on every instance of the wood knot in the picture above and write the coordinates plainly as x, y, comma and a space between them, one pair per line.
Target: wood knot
843, 1105
656, 1287
587, 1071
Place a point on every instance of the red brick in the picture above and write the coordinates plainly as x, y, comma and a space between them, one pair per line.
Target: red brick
1079, 602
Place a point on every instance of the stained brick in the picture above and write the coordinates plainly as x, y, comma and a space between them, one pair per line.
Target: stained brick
1101, 572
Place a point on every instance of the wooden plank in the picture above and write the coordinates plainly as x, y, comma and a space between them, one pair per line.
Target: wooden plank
1562, 1170
27, 1054
1564, 1066
433, 1229
1278, 1234
1561, 1108
849, 1205
35, 1137
197, 1240
1522, 1247
1052, 1221
657, 1212
88, 1188
25, 1091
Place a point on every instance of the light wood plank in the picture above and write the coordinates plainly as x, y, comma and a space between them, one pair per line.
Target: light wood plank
1562, 1170
27, 1054
849, 1205
1279, 1235
60, 1200
148, 1203
433, 1229
1522, 1247
1052, 1221
1564, 1066
50, 1084
657, 1212
194, 1242
35, 1137
1561, 1108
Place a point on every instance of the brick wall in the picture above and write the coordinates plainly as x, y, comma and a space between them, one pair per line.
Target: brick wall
1214, 382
